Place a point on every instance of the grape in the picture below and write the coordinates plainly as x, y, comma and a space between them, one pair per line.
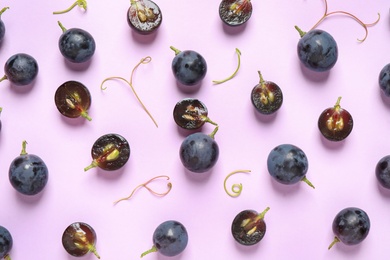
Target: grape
2, 25
288, 164
199, 152
144, 16
188, 67
20, 69
76, 45
6, 243
317, 50
335, 123
235, 12
109, 152
248, 227
382, 172
266, 97
79, 238
28, 173
73, 99
350, 226
384, 80
1, 110
170, 239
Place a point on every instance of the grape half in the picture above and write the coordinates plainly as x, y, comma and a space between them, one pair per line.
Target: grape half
73, 100
6, 243
28, 173
79, 238
20, 69
144, 16
384, 80
317, 50
350, 226
170, 239
235, 12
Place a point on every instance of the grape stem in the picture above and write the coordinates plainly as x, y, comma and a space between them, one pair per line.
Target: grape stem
92, 165
130, 83
337, 105
212, 135
308, 182
81, 3
7, 257
24, 144
235, 72
335, 241
236, 187
3, 10
177, 51
152, 250
92, 249
145, 185
62, 27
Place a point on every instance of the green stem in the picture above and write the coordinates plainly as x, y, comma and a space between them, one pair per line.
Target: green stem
7, 257
308, 182
214, 132
262, 214
86, 116
3, 78
261, 79
92, 165
301, 33
3, 10
62, 27
177, 51
234, 73
336, 240
24, 144
152, 250
81, 3
92, 249
208, 120
337, 105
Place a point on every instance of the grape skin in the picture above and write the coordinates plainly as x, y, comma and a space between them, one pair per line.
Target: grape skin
21, 69
382, 172
77, 45
189, 67
351, 225
317, 50
28, 174
6, 242
199, 152
287, 164
384, 80
170, 238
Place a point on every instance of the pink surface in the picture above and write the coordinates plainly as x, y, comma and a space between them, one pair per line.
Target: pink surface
300, 218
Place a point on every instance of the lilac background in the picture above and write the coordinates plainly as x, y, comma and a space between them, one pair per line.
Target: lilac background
300, 218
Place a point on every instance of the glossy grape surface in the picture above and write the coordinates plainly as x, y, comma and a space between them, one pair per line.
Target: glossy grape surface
335, 123
267, 97
6, 242
190, 113
21, 69
189, 67
2, 25
73, 99
79, 238
170, 238
235, 12
382, 172
199, 152
77, 45
287, 164
28, 174
144, 16
351, 225
247, 229
110, 152
317, 50
384, 80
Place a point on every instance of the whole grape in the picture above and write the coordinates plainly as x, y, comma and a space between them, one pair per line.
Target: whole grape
20, 69
170, 239
2, 25
28, 173
199, 152
382, 172
317, 50
6, 243
384, 80
350, 226
288, 164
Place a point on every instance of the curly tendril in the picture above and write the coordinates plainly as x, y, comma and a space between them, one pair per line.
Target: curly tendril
236, 187
234, 73
81, 3
130, 83
145, 185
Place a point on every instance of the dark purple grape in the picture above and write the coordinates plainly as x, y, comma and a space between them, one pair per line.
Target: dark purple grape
317, 50
248, 227
266, 97
384, 80
350, 226
79, 238
2, 25
382, 172
28, 173
144, 16
335, 123
109, 152
20, 69
188, 67
235, 12
169, 239
73, 100
199, 152
288, 164
6, 243
191, 113
1, 110
76, 45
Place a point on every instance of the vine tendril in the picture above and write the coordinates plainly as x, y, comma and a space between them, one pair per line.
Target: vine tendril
81, 3
235, 72
236, 187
